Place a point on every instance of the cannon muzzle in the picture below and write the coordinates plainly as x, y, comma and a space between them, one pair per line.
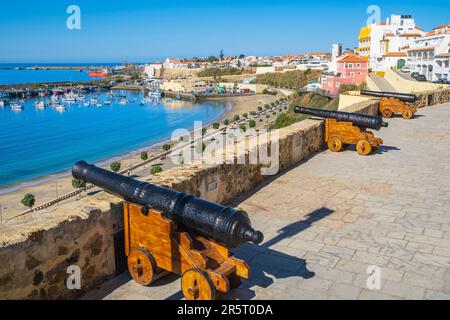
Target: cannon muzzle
223, 224
360, 120
406, 97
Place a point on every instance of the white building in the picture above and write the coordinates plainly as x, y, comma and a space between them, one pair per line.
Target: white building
393, 36
430, 55
152, 70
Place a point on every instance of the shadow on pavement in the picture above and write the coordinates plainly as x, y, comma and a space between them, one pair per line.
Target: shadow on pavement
265, 261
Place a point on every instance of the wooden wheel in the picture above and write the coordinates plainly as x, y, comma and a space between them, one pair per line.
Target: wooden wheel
386, 113
142, 266
363, 147
196, 285
334, 144
407, 114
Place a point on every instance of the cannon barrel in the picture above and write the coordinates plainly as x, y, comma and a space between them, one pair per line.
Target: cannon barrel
360, 120
225, 225
406, 97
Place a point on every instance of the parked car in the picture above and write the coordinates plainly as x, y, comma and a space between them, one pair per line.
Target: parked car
442, 81
406, 69
421, 77
414, 74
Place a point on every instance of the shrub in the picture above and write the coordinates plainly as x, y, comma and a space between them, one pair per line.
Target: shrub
78, 183
115, 166
260, 108
243, 127
200, 147
144, 155
155, 169
216, 125
203, 131
28, 200
253, 113
226, 122
166, 147
236, 118
252, 123
266, 106
245, 115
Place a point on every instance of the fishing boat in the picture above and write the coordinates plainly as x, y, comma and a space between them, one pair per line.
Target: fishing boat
156, 94
16, 107
40, 105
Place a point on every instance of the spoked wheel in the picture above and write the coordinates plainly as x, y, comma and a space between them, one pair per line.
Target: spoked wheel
197, 285
407, 114
334, 144
363, 147
142, 266
386, 113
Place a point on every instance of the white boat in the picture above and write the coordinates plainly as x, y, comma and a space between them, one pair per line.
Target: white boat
2, 104
16, 106
61, 108
108, 103
86, 104
40, 105
155, 94
123, 101
99, 105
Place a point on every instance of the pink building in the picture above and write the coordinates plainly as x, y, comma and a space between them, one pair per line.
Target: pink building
351, 69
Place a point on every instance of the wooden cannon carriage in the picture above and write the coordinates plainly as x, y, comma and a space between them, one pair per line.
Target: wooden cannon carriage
394, 103
155, 246
346, 128
170, 231
338, 134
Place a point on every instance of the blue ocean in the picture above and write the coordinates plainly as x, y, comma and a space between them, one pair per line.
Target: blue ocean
35, 143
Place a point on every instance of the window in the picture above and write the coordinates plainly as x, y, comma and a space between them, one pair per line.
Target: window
352, 74
358, 65
338, 84
350, 65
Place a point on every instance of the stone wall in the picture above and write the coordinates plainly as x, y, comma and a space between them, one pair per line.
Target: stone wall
36, 250
429, 98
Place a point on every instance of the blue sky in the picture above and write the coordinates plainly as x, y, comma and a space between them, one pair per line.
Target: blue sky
148, 30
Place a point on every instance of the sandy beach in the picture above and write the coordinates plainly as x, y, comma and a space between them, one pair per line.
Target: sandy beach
49, 187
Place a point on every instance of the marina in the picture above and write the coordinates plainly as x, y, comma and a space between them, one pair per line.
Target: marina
45, 135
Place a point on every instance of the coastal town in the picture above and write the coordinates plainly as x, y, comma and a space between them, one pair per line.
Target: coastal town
359, 186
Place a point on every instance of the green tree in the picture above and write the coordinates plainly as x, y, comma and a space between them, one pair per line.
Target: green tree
166, 147
155, 169
200, 147
253, 113
144, 155
266, 106
236, 118
78, 184
241, 56
203, 131
226, 122
28, 200
260, 108
115, 166
221, 55
216, 125
245, 115
252, 123
243, 127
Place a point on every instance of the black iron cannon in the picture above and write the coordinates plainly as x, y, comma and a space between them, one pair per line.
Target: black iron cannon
360, 120
405, 97
223, 224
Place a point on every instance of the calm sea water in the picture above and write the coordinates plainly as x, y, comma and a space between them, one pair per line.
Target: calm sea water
9, 75
35, 143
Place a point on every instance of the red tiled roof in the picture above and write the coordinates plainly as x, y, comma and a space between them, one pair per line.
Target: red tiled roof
421, 49
395, 54
353, 58
445, 54
410, 35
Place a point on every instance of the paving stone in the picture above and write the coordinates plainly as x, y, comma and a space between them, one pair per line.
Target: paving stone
403, 290
344, 291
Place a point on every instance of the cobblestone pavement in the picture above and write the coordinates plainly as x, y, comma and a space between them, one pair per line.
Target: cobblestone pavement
329, 219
